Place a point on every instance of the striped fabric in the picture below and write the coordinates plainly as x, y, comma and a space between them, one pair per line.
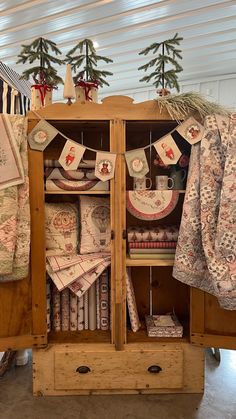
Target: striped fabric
14, 93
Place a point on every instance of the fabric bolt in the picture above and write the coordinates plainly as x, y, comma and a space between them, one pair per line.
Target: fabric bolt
61, 228
73, 312
48, 303
76, 185
82, 284
15, 215
92, 307
95, 234
152, 245
131, 303
62, 174
85, 164
161, 233
205, 253
98, 303
86, 311
65, 310
56, 309
80, 321
104, 300
75, 273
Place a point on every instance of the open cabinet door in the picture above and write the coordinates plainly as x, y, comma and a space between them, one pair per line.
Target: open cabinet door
211, 325
23, 303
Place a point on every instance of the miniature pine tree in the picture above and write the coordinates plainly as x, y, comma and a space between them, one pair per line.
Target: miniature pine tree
167, 57
43, 73
87, 59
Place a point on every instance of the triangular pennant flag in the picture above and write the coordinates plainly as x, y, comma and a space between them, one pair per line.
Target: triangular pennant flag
191, 130
41, 135
105, 165
167, 150
71, 155
137, 163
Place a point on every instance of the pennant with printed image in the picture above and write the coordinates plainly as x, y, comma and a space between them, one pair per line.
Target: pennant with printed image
41, 135
105, 165
191, 130
137, 163
71, 155
167, 150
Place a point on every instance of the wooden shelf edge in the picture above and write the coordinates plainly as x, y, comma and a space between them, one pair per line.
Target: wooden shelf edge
83, 336
149, 262
77, 192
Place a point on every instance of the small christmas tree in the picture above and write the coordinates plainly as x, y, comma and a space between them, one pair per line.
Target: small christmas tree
44, 73
87, 59
164, 77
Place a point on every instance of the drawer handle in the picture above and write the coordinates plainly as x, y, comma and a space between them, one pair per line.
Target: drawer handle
154, 369
83, 369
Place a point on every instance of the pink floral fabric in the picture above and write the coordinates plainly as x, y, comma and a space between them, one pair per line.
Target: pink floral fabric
205, 254
15, 214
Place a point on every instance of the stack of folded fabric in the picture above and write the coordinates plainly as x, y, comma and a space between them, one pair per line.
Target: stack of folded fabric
82, 179
152, 242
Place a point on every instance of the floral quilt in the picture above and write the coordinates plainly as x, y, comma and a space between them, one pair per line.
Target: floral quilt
15, 214
205, 254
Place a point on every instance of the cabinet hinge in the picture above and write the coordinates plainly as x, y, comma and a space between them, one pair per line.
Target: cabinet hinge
124, 235
112, 234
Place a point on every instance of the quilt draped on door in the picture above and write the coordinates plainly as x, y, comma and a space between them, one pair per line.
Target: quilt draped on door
205, 254
15, 213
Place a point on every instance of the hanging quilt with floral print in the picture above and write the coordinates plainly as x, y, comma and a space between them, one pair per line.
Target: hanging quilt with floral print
205, 254
15, 211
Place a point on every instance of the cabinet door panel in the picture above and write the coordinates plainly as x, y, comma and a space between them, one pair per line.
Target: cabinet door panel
210, 324
16, 316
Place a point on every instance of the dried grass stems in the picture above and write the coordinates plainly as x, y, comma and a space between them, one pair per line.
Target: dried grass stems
180, 106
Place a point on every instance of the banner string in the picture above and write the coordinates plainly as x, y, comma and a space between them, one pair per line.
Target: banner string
148, 146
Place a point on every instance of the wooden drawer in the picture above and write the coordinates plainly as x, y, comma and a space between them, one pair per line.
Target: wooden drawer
118, 370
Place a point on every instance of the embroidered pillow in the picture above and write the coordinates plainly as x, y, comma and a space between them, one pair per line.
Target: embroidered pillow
61, 229
95, 224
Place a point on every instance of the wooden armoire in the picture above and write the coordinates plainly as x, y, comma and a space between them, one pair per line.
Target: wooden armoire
118, 360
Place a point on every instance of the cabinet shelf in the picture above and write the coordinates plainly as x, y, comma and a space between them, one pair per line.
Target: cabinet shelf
149, 262
84, 336
77, 193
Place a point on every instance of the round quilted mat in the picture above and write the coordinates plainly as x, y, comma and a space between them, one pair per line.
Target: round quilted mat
151, 205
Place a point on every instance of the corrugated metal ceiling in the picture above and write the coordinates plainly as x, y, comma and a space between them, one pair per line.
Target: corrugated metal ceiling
122, 28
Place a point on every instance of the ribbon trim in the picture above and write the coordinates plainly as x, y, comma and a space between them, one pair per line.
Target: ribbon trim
87, 86
43, 89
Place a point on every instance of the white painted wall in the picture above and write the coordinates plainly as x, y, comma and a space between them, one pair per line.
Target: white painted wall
220, 89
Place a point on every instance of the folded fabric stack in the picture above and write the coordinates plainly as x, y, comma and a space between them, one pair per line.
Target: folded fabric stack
68, 312
82, 179
152, 243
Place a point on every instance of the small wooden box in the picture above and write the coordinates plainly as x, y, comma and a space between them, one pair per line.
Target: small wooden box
164, 326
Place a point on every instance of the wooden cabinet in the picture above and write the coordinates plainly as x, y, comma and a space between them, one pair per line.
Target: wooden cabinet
118, 360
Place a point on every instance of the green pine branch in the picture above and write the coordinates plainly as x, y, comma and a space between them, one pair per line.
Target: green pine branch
168, 55
84, 61
40, 50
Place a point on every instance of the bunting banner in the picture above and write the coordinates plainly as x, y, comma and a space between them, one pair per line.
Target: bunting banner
137, 163
105, 165
167, 149
41, 135
71, 155
191, 130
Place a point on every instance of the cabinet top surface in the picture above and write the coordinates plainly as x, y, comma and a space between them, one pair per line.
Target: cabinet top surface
112, 107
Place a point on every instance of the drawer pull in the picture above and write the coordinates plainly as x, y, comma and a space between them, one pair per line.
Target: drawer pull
83, 369
154, 369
